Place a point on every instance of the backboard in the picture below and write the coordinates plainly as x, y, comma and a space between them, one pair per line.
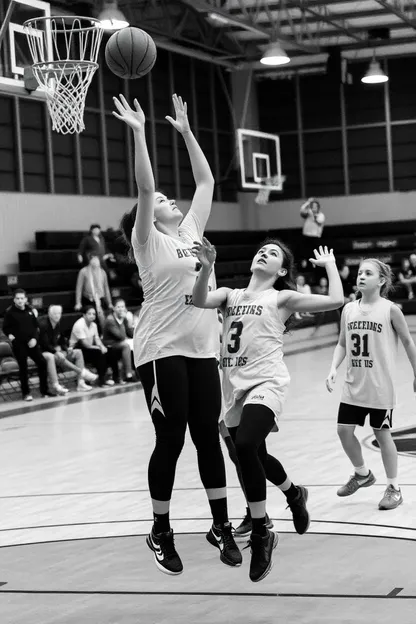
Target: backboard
260, 163
14, 50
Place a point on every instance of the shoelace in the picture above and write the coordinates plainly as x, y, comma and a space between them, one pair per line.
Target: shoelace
228, 538
167, 544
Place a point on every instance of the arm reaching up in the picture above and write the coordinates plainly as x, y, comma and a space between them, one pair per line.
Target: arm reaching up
201, 296
143, 169
202, 200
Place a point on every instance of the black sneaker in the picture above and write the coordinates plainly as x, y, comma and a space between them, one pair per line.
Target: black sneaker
261, 555
166, 557
223, 539
301, 519
244, 529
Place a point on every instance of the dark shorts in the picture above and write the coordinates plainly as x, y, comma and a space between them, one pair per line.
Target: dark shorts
356, 415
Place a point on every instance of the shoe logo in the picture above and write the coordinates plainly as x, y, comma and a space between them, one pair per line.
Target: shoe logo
219, 541
157, 550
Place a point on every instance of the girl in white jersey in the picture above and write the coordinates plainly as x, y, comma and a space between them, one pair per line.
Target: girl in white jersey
255, 377
175, 344
370, 328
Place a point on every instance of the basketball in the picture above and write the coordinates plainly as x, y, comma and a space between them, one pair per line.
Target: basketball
130, 53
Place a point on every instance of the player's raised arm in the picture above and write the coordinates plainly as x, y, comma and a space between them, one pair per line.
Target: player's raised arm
298, 302
143, 169
204, 180
201, 296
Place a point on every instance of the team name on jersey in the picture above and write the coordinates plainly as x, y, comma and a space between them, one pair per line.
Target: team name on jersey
377, 327
185, 253
257, 310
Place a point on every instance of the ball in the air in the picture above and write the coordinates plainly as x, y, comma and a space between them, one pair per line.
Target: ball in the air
130, 53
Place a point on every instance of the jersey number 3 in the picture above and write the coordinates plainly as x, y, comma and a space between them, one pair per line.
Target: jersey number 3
360, 345
235, 338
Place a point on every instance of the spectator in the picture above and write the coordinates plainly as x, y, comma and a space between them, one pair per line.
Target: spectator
302, 286
321, 289
21, 327
85, 336
407, 274
58, 355
92, 288
118, 329
313, 227
348, 283
94, 243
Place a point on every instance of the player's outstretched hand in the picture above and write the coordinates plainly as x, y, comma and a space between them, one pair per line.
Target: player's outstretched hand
322, 257
205, 252
331, 379
181, 123
132, 117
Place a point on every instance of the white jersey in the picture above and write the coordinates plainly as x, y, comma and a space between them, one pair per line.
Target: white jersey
252, 353
169, 324
371, 352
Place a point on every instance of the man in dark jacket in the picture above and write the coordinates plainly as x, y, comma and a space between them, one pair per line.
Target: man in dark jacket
118, 329
21, 327
59, 355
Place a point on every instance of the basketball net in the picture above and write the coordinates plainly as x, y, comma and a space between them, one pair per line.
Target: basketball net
64, 52
263, 195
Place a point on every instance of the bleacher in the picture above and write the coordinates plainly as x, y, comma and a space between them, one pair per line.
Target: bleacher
48, 273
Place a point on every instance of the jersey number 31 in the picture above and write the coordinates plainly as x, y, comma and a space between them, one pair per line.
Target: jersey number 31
360, 345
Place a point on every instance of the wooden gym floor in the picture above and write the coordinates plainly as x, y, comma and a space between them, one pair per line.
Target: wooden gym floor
75, 510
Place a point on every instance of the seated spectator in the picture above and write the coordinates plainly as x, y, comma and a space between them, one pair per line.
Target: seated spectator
321, 289
94, 243
348, 283
302, 286
85, 336
21, 327
92, 289
118, 329
58, 355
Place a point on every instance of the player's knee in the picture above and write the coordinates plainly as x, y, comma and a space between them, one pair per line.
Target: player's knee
345, 432
245, 448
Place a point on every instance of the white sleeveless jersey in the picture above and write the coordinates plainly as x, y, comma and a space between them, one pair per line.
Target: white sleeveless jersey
252, 343
169, 324
371, 353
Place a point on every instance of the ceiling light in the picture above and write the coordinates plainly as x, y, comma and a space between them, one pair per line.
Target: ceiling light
274, 55
374, 74
217, 19
111, 17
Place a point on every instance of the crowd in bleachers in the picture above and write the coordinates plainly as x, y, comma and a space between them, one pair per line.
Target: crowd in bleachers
74, 283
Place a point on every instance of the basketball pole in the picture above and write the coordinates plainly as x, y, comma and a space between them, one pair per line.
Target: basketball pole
7, 19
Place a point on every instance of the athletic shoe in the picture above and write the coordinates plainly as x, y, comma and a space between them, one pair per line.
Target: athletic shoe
356, 482
88, 375
261, 555
60, 390
301, 518
245, 527
83, 386
28, 397
107, 383
166, 557
392, 498
223, 539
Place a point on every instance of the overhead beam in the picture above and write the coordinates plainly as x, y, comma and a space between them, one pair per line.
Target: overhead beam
322, 14
203, 7
394, 7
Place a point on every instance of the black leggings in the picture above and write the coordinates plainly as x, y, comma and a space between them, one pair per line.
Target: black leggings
253, 461
183, 391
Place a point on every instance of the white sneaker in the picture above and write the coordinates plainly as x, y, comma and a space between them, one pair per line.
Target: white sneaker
83, 387
28, 397
60, 389
109, 382
88, 375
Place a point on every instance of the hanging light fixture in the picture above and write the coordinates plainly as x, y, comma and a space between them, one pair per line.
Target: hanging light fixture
374, 74
111, 17
274, 55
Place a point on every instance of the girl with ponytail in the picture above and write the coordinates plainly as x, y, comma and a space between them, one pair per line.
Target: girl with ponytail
255, 377
370, 328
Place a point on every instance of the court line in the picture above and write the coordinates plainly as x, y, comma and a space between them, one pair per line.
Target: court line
203, 594
184, 489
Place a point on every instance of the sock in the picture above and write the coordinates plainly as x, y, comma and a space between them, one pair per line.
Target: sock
219, 510
161, 523
362, 471
259, 526
394, 482
291, 493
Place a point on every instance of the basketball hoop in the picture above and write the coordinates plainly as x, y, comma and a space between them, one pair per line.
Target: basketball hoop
263, 195
64, 52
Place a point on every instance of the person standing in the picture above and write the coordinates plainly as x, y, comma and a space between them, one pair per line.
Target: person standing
92, 288
313, 226
176, 344
21, 327
370, 329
